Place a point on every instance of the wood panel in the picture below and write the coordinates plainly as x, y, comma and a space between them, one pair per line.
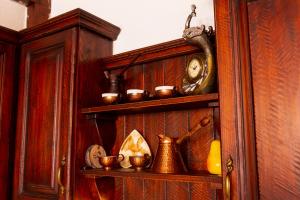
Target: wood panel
43, 127
176, 122
154, 125
43, 106
235, 96
91, 48
274, 28
8, 91
134, 80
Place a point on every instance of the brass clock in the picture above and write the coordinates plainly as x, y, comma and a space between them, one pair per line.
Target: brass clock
198, 78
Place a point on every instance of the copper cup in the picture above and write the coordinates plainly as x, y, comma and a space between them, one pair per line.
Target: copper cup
110, 98
165, 91
139, 162
134, 95
108, 161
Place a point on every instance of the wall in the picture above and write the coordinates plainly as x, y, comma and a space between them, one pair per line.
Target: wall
12, 15
143, 22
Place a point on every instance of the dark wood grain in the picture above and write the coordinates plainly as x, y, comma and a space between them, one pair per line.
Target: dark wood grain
176, 122
8, 96
154, 125
202, 191
150, 54
235, 94
199, 142
161, 64
196, 177
42, 123
74, 18
9, 36
59, 61
92, 46
160, 104
37, 12
274, 29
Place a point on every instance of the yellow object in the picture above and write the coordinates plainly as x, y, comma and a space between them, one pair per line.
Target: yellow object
214, 158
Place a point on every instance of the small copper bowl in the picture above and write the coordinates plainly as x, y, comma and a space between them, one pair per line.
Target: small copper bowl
110, 98
108, 161
134, 95
140, 162
165, 91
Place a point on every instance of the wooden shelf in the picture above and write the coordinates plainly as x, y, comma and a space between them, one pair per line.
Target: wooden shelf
159, 104
194, 177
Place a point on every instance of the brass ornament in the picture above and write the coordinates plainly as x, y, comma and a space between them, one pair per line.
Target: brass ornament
229, 167
200, 73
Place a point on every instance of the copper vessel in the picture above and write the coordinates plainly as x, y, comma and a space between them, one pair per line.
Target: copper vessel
168, 158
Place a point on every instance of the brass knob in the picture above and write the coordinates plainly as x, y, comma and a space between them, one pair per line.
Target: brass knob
229, 167
59, 175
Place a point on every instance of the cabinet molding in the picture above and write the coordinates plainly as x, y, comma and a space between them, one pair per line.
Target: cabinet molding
74, 18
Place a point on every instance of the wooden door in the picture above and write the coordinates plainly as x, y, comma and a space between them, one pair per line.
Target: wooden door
7, 109
274, 28
44, 117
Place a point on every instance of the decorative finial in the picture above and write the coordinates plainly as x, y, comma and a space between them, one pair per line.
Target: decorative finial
193, 7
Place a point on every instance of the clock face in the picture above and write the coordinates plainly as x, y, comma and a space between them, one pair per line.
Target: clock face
194, 68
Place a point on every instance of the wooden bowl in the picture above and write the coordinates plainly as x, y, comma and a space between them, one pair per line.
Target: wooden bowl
134, 95
110, 98
165, 91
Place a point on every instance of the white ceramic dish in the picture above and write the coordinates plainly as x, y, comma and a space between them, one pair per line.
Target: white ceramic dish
133, 145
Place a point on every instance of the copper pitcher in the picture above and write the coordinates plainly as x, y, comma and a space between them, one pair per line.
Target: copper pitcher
168, 158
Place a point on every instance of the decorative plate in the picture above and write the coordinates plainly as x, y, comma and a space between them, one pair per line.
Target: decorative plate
133, 145
92, 155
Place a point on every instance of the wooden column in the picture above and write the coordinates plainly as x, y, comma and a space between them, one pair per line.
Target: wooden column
38, 11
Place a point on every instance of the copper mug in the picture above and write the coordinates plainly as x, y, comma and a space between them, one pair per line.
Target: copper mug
108, 161
140, 161
168, 158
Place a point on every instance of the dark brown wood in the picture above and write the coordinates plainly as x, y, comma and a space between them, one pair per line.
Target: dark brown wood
37, 11
160, 104
42, 125
173, 117
9, 36
274, 29
59, 60
235, 94
195, 177
154, 125
8, 95
74, 18
152, 53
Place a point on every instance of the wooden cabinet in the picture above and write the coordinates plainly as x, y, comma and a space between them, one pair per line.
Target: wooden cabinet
8, 94
254, 111
54, 58
161, 64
